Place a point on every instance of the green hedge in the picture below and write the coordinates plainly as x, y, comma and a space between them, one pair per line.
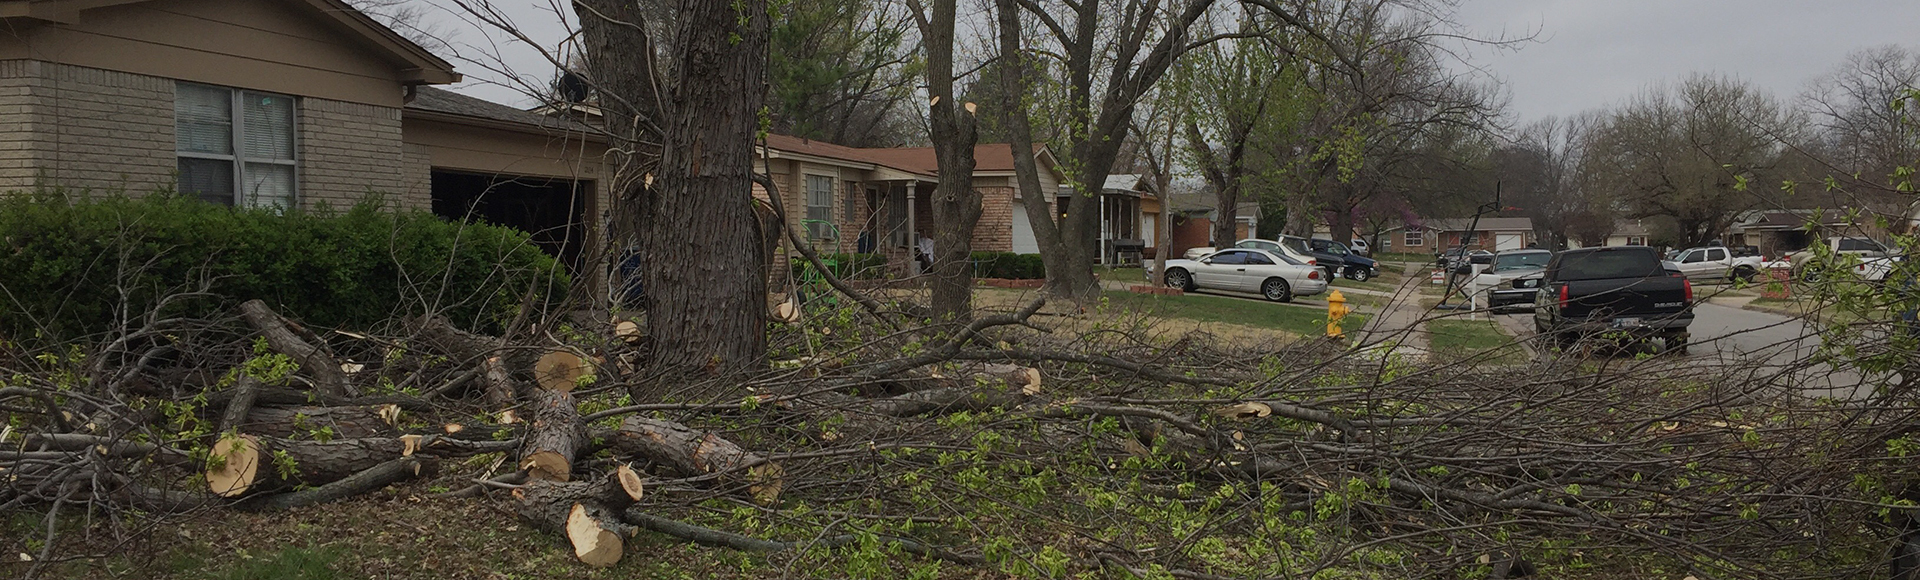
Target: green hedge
1008, 265
64, 263
845, 266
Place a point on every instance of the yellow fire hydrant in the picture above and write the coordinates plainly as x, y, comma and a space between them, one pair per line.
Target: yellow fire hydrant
1336, 309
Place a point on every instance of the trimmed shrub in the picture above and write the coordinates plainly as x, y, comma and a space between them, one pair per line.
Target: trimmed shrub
1008, 265
72, 267
845, 266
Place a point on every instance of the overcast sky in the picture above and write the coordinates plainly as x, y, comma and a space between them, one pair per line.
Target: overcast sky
1588, 54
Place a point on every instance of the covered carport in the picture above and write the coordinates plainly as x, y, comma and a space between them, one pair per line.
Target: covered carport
492, 163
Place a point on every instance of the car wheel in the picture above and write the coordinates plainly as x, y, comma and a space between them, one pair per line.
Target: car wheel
1277, 290
1178, 278
1809, 273
1744, 274
1359, 274
1675, 343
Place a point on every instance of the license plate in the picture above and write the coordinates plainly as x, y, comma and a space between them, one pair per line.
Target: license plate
1628, 323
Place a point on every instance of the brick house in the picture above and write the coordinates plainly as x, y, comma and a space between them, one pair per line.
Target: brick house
879, 200
1437, 235
294, 103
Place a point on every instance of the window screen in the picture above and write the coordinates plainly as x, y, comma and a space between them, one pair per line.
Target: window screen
820, 207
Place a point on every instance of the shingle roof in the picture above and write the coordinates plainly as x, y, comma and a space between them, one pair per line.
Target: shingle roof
920, 160
1487, 224
451, 103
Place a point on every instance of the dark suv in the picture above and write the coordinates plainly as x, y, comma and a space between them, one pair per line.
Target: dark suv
1331, 262
1359, 268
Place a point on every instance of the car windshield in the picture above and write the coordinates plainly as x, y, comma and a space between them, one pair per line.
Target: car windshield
1528, 260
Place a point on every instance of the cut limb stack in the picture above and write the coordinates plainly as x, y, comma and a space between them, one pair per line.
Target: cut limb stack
586, 512
478, 350
287, 338
693, 452
993, 385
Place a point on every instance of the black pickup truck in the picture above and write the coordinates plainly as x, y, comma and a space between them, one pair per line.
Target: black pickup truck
1620, 289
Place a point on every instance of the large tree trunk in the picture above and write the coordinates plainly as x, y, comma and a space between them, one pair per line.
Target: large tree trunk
705, 275
956, 205
695, 231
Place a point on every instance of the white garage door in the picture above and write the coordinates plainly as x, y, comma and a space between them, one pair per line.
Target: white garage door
1023, 242
1504, 242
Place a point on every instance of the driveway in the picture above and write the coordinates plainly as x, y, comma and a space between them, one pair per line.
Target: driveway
1779, 346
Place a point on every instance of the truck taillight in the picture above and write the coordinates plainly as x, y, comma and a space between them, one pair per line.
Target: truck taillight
1688, 284
1563, 293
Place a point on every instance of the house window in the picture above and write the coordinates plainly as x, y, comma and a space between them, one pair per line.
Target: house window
820, 207
1415, 238
235, 147
1636, 240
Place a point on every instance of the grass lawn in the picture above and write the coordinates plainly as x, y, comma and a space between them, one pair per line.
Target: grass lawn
1128, 275
1465, 338
1378, 284
1239, 311
1399, 257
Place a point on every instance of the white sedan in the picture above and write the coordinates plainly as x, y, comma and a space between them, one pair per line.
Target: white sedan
1275, 276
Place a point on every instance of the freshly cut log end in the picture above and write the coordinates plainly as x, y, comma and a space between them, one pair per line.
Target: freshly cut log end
236, 467
1246, 410
548, 466
628, 331
560, 370
767, 481
787, 312
593, 543
630, 482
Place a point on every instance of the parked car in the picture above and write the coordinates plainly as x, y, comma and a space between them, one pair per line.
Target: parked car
1360, 246
1256, 244
1359, 268
1715, 263
1329, 261
1451, 260
1515, 279
1806, 264
1623, 289
1273, 275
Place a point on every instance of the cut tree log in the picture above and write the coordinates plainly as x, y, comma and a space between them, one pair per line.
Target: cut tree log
554, 437
693, 452
560, 370
364, 482
587, 513
253, 464
346, 422
286, 337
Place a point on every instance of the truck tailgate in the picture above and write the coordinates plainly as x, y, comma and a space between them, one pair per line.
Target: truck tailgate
1651, 297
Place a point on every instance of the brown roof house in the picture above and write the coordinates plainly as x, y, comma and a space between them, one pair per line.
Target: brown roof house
1439, 234
879, 200
294, 103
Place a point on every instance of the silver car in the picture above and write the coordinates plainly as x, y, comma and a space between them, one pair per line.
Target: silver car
1273, 275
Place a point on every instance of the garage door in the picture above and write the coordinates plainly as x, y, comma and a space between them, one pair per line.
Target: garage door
1504, 242
1023, 242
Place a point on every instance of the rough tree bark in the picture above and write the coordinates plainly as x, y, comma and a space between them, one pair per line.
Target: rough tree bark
956, 205
292, 340
695, 230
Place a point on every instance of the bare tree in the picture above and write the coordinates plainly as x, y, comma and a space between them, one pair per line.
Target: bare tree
1540, 172
1684, 155
1864, 131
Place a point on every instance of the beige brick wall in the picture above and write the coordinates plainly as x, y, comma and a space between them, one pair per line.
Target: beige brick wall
417, 179
348, 150
19, 152
83, 128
